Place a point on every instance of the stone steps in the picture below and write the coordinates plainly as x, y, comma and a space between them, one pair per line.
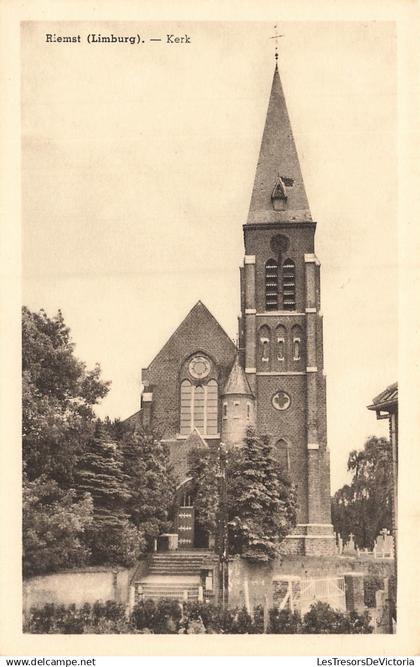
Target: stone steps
156, 588
174, 575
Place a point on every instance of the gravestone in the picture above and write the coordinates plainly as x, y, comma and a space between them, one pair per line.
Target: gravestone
349, 549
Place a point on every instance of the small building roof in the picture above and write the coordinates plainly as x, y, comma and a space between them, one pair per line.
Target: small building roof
387, 400
237, 382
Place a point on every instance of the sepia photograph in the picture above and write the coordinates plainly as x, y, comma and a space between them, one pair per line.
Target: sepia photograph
207, 449
210, 328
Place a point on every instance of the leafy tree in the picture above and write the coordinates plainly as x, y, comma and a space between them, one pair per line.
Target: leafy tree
54, 523
150, 483
363, 507
58, 398
100, 473
204, 468
261, 501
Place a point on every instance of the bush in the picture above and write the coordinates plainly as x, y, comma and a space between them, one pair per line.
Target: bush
194, 613
284, 622
143, 615
170, 617
236, 621
101, 618
167, 617
323, 619
258, 620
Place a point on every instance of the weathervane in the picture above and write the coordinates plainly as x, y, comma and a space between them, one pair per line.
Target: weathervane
276, 36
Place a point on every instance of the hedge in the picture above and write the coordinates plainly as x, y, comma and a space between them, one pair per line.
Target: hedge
171, 617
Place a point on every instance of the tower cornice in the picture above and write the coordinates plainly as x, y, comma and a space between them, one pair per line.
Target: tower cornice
280, 225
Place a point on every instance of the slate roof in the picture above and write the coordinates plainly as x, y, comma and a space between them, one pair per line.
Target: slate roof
237, 382
278, 158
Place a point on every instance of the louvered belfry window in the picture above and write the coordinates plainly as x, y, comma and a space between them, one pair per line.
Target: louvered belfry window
199, 408
271, 285
289, 285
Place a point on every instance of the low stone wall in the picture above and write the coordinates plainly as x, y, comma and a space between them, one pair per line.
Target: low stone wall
77, 587
251, 584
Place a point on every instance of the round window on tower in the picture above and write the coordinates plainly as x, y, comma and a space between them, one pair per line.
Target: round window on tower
281, 400
199, 367
279, 244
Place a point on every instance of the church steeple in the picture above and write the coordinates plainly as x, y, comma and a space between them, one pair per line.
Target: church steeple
279, 193
281, 327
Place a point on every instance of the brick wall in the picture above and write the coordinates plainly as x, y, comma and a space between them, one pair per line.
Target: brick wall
199, 332
257, 242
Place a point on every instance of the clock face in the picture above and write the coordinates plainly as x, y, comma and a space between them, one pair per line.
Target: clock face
199, 367
281, 400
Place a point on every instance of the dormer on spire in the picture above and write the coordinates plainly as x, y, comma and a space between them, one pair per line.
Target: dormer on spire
279, 193
279, 196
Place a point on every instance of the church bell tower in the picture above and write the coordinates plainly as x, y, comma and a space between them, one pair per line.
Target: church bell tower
280, 328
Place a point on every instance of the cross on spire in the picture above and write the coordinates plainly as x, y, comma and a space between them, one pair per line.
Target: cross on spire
276, 36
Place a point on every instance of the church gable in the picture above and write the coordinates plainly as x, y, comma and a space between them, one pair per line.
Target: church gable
190, 369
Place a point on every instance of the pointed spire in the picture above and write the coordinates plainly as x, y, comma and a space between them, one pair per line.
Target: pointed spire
278, 159
237, 382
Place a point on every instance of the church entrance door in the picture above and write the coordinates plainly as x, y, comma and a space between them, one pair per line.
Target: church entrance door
185, 527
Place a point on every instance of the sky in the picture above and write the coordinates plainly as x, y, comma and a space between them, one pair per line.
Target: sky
137, 170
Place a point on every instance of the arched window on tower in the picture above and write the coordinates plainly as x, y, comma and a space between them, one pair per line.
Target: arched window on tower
297, 342
280, 343
264, 338
280, 452
289, 285
271, 285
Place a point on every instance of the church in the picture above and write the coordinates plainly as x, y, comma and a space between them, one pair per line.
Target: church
202, 390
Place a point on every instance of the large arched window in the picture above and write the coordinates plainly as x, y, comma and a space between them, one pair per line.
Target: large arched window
271, 285
211, 407
281, 453
186, 423
289, 285
199, 407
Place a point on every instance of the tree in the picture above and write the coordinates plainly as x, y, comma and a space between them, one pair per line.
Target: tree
100, 473
261, 502
58, 398
150, 483
204, 468
363, 507
57, 421
54, 524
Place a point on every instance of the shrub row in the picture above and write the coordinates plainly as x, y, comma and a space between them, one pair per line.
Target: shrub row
170, 617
